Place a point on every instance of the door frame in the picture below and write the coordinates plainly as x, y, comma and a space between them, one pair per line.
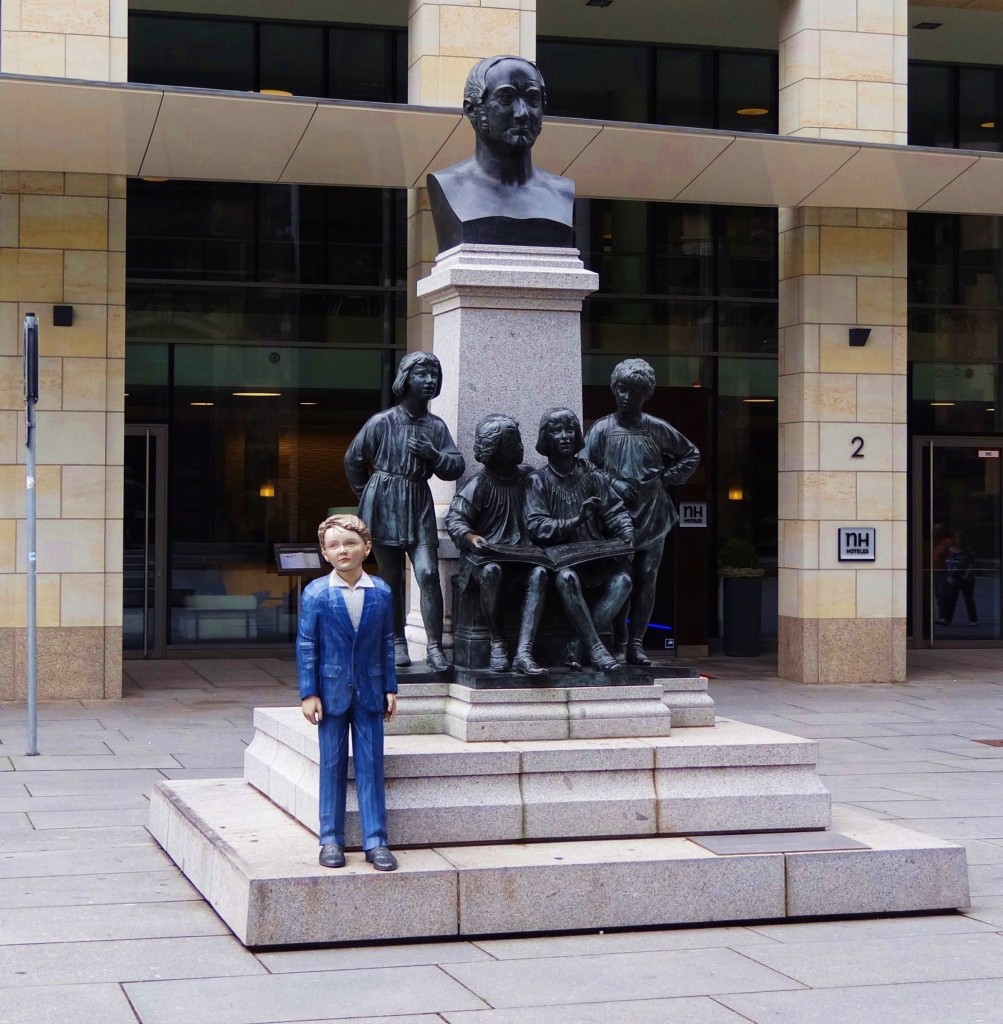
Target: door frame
918, 541
153, 432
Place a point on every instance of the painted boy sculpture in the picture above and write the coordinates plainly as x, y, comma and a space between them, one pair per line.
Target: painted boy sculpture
347, 680
642, 456
497, 197
388, 464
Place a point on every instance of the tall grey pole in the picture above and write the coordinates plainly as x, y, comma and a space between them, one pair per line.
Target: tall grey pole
30, 398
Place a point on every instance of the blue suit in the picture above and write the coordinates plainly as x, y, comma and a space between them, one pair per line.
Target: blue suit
351, 671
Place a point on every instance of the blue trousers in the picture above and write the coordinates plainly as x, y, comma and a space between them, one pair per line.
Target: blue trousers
367, 753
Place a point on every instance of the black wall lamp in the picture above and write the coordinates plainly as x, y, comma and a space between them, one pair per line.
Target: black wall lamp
62, 316
859, 336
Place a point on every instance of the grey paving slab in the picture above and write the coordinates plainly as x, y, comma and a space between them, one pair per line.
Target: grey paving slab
408, 955
231, 757
70, 862
75, 839
5, 764
968, 808
988, 909
89, 890
93, 762
43, 820
74, 802
72, 726
554, 981
12, 786
697, 1010
66, 1004
981, 853
109, 921
74, 783
986, 879
868, 928
909, 768
204, 773
946, 1002
885, 961
619, 942
89, 743
276, 999
178, 742
68, 963
13, 822
960, 828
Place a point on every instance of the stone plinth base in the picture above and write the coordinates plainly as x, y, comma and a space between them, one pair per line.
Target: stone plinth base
842, 650
74, 662
733, 777
554, 711
258, 868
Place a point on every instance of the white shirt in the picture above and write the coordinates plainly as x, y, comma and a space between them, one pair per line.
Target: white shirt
354, 597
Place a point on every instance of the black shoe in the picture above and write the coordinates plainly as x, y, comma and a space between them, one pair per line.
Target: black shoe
603, 661
382, 859
525, 664
499, 657
332, 856
436, 661
573, 655
636, 655
401, 657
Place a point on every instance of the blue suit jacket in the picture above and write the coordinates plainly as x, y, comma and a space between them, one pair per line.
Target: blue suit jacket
335, 662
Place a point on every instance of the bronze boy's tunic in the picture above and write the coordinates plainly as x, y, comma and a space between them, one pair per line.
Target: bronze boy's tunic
395, 500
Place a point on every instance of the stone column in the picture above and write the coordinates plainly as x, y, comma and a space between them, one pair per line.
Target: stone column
62, 241
445, 39
842, 409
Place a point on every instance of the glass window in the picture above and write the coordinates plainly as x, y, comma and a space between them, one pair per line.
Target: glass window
203, 54
607, 83
953, 397
980, 118
292, 59
684, 249
931, 105
747, 251
747, 92
684, 88
361, 65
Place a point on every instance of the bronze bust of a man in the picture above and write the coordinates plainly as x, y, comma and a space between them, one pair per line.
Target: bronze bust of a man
497, 197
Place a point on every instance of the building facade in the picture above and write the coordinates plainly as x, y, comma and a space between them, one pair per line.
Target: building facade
238, 310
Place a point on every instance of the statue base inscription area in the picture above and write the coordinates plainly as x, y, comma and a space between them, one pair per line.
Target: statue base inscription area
515, 824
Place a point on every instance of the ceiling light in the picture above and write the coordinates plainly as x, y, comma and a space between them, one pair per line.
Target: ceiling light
988, 124
752, 111
942, 405
598, 3
155, 178
928, 26
735, 494
759, 401
257, 394
267, 490
991, 408
201, 404
308, 403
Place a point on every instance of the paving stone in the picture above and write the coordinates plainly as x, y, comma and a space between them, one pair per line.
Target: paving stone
67, 963
867, 928
619, 942
5, 764
236, 772
67, 862
74, 783
88, 890
280, 998
945, 1002
82, 762
74, 839
109, 921
43, 820
695, 1010
372, 956
13, 822
885, 961
66, 1004
89, 801
649, 975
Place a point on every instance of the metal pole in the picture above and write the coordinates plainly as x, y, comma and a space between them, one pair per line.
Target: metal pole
30, 398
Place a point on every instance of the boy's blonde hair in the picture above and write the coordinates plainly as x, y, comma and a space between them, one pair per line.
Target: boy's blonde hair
344, 522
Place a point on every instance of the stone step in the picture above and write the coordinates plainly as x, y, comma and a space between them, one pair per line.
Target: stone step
258, 868
731, 777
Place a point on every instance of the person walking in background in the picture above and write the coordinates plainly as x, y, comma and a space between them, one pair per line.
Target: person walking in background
941, 544
960, 564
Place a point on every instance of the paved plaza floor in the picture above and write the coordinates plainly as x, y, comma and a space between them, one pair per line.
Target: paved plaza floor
97, 926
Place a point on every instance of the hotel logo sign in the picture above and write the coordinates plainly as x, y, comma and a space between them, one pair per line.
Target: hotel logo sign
856, 543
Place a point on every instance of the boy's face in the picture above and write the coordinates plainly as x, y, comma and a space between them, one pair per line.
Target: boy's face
561, 437
629, 395
344, 550
422, 381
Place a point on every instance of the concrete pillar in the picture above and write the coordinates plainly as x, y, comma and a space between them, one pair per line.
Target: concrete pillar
62, 241
842, 409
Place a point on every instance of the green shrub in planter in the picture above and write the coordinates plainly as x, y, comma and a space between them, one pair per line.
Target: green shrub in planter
738, 558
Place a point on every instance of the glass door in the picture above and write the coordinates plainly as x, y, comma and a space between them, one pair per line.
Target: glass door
957, 527
144, 529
